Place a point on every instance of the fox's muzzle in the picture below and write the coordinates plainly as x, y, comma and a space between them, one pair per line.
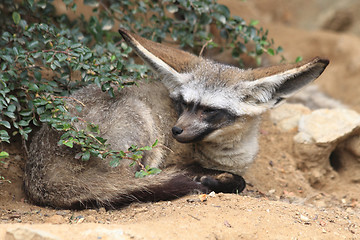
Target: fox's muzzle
190, 130
186, 136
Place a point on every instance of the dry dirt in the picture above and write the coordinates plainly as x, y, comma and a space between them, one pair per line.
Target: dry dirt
279, 202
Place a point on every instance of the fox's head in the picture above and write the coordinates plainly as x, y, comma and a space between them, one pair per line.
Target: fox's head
210, 96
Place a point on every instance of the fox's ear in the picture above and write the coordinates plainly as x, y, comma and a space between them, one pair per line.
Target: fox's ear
166, 61
276, 83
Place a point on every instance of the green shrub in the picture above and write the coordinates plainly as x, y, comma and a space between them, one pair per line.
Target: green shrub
43, 58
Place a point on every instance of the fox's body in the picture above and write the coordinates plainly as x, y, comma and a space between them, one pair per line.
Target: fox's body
205, 116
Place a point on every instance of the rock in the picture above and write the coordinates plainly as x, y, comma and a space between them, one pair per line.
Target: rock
327, 125
287, 116
24, 233
327, 144
353, 145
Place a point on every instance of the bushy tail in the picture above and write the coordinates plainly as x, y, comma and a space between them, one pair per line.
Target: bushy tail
53, 177
65, 182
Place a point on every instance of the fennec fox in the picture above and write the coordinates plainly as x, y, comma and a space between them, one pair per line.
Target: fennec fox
205, 116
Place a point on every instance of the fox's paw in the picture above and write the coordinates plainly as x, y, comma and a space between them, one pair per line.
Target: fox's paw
224, 182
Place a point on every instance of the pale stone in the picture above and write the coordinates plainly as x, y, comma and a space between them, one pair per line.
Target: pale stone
321, 133
302, 137
24, 233
287, 115
327, 125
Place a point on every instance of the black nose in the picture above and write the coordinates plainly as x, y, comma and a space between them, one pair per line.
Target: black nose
176, 130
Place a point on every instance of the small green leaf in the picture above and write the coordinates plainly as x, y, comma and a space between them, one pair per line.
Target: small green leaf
57, 63
16, 17
114, 163
155, 143
270, 51
74, 7
85, 156
52, 66
154, 171
5, 124
16, 51
9, 114
298, 59
49, 59
221, 18
93, 128
68, 143
107, 24
254, 22
78, 155
75, 45
11, 108
4, 154
89, 55
113, 58
172, 8
102, 140
26, 113
7, 58
146, 148
92, 3
33, 44
24, 123
37, 75
140, 174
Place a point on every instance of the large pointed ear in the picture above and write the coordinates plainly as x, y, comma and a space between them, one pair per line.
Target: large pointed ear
276, 83
164, 60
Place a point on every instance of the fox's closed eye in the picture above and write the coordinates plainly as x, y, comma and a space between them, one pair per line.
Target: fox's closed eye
184, 104
210, 111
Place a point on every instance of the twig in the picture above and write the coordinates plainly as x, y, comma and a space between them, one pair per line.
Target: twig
203, 47
71, 99
194, 217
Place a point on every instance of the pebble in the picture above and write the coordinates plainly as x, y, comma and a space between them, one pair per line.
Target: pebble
63, 213
272, 191
304, 218
212, 194
349, 210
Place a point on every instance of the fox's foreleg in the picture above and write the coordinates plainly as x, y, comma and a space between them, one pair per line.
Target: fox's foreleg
217, 181
174, 183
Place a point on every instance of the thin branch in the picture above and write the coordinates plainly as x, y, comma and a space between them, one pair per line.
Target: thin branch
70, 98
204, 46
